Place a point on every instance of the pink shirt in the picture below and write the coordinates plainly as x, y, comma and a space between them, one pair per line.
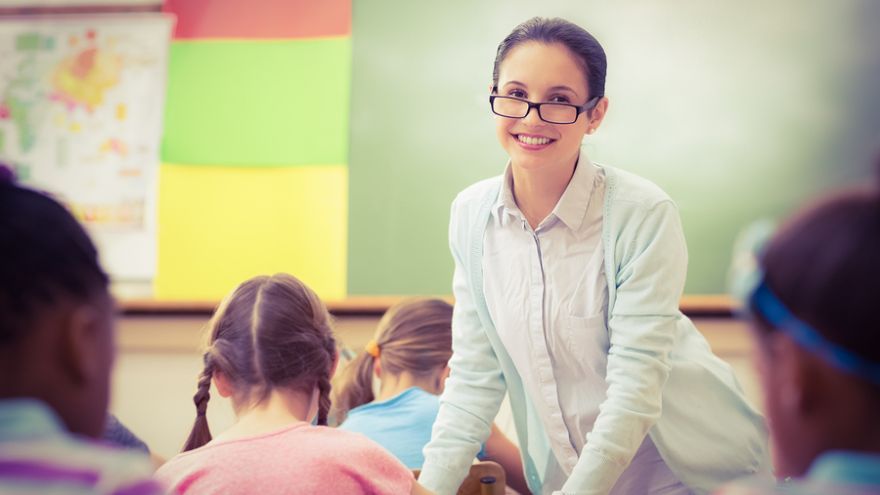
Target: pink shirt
298, 459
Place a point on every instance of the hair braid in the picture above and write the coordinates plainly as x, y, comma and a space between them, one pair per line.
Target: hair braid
200, 433
323, 400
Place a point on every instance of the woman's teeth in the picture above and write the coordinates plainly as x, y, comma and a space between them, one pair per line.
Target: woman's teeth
532, 140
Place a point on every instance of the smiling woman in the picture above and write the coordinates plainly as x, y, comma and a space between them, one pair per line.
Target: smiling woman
546, 141
567, 280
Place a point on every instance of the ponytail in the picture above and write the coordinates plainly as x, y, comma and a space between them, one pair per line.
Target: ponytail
201, 434
414, 336
354, 386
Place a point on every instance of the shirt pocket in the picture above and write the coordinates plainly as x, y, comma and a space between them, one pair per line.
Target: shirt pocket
588, 342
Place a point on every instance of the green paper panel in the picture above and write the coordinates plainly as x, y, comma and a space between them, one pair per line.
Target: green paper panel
258, 102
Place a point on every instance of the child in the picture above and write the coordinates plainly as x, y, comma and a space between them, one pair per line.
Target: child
816, 328
272, 352
409, 354
567, 283
56, 354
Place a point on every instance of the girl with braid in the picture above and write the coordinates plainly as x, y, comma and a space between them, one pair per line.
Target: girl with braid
272, 352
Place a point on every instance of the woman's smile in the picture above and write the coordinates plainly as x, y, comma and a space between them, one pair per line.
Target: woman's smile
533, 142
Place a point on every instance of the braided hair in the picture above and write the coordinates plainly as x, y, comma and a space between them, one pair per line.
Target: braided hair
271, 332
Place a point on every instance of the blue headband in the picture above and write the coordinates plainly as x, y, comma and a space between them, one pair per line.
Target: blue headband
764, 302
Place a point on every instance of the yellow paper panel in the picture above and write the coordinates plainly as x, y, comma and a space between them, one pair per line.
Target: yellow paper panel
220, 225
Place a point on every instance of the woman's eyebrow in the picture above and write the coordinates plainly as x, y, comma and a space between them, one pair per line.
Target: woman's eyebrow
560, 87
564, 88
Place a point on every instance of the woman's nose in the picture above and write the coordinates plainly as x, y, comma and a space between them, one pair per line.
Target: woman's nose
533, 117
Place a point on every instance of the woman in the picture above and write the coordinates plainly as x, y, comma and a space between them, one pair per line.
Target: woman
567, 283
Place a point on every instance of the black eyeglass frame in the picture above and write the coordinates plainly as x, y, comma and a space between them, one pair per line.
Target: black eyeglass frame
589, 105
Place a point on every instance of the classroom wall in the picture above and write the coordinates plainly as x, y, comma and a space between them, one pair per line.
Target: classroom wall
159, 362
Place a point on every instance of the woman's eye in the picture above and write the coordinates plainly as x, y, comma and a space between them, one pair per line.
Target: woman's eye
560, 99
517, 93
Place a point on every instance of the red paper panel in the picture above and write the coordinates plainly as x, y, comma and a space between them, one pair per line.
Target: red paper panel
260, 19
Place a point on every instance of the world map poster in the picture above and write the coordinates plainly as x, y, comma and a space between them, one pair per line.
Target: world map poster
81, 101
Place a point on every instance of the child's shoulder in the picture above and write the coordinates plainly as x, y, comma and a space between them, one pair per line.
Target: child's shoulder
800, 487
336, 436
352, 443
111, 468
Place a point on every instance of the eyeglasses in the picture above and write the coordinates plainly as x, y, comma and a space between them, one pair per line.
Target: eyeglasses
552, 113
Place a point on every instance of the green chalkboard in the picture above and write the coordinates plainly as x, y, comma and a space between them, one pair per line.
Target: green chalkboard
739, 110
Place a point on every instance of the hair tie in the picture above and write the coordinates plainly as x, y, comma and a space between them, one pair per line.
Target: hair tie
372, 348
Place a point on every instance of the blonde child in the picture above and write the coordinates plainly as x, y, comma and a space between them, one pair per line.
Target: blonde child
409, 356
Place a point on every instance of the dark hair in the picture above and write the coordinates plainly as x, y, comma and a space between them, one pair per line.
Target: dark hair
45, 255
824, 266
271, 332
582, 44
414, 336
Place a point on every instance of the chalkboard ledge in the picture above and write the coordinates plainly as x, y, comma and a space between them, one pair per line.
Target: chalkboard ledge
691, 305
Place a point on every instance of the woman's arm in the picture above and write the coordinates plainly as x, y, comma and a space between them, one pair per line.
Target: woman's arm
474, 389
650, 274
418, 489
500, 449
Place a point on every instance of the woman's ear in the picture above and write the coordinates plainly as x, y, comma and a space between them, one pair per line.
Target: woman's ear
223, 384
597, 115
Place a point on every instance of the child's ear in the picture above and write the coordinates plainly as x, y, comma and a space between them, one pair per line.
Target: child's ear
797, 379
335, 363
87, 346
221, 381
441, 379
377, 367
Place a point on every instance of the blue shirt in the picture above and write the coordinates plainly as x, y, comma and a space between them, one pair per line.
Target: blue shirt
856, 468
401, 424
